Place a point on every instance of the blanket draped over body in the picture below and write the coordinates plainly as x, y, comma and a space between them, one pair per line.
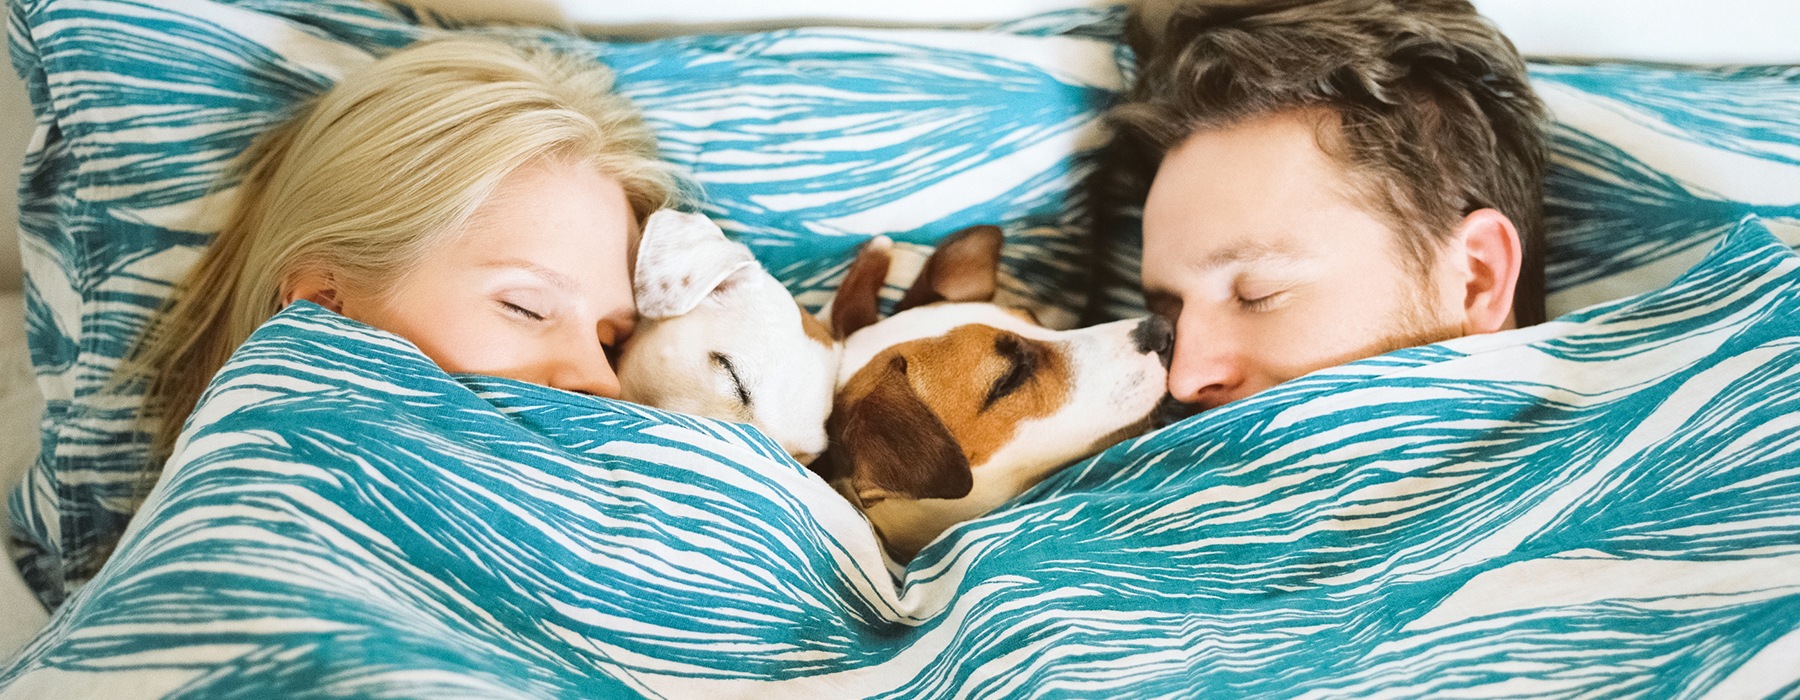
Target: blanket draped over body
1607, 504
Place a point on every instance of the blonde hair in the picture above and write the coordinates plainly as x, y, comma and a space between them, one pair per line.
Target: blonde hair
368, 177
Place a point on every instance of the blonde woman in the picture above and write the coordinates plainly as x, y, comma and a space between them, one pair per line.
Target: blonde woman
477, 199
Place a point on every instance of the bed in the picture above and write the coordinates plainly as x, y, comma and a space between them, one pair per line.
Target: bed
1607, 504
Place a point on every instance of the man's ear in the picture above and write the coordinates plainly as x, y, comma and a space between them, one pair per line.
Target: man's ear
858, 300
889, 444
315, 286
681, 259
965, 267
1488, 260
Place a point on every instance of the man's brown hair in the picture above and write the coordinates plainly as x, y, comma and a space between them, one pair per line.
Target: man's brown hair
1436, 115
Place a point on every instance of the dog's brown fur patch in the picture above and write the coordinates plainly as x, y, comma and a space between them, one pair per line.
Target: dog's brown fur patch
886, 443
953, 373
813, 327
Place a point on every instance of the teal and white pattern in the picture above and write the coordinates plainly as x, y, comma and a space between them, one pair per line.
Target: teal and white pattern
1649, 166
806, 142
1606, 505
1652, 165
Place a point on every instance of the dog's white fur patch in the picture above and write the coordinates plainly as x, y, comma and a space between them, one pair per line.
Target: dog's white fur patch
703, 297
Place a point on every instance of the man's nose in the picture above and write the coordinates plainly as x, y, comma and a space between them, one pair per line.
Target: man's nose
1206, 372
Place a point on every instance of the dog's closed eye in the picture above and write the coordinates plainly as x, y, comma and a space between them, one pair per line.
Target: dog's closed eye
723, 362
1021, 365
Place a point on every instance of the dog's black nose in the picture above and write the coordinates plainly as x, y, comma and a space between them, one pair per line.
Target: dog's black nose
1154, 334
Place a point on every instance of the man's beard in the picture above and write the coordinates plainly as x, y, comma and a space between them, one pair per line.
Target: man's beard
1417, 323
1424, 334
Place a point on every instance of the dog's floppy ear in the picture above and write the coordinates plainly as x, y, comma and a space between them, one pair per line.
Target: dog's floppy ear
889, 444
965, 267
858, 300
682, 258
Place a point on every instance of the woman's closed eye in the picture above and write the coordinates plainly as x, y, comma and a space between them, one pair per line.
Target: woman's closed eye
521, 312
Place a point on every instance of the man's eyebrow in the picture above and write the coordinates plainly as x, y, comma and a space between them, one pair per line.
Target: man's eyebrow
558, 279
1245, 252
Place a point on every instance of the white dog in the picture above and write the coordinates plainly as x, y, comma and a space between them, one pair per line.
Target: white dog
718, 336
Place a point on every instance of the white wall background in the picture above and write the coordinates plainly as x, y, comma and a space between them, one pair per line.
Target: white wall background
1700, 31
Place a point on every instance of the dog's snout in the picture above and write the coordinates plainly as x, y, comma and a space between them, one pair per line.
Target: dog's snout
804, 449
1154, 334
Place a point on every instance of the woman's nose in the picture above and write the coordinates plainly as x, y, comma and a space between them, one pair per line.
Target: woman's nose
583, 364
592, 374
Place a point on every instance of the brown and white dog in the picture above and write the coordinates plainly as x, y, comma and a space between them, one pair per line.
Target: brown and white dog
718, 336
954, 405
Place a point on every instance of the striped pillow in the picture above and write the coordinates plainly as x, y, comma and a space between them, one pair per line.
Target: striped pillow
806, 143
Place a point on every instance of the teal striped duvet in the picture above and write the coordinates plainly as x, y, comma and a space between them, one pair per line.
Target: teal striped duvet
1604, 506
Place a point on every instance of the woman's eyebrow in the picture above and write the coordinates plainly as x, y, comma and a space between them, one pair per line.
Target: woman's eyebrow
555, 278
